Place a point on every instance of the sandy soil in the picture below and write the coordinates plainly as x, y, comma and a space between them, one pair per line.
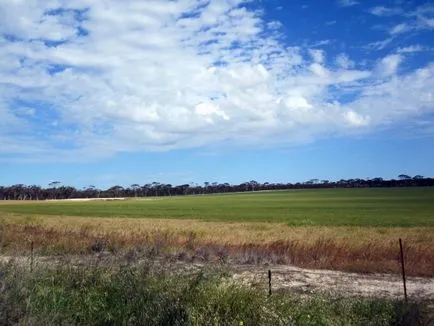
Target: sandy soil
333, 282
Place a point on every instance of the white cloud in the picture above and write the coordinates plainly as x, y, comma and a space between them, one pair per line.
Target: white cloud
389, 65
210, 111
320, 43
8, 120
347, 3
429, 22
180, 74
411, 49
357, 120
297, 102
317, 55
400, 28
379, 45
343, 61
26, 19
319, 70
274, 24
421, 18
410, 96
384, 11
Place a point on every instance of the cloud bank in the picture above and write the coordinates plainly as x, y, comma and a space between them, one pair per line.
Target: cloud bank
84, 79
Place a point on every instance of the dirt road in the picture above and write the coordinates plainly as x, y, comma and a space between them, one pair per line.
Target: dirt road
286, 278
333, 282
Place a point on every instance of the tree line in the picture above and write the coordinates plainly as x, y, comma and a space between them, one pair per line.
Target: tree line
56, 190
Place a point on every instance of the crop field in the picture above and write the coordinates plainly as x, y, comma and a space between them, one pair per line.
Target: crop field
397, 207
341, 229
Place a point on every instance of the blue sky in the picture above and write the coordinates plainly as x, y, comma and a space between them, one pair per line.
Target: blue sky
109, 92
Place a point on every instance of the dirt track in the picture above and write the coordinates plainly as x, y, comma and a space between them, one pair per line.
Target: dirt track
333, 282
290, 278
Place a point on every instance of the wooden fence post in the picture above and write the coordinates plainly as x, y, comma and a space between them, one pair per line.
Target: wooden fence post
269, 282
1, 237
31, 256
403, 269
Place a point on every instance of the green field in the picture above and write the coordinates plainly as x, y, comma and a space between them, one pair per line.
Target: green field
403, 207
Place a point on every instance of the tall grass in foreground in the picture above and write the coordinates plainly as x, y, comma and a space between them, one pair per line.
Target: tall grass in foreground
145, 295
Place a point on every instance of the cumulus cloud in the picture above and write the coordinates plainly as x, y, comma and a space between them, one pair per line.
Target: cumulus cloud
356, 119
411, 96
93, 78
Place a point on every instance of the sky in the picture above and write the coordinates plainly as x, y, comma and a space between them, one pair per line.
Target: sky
105, 92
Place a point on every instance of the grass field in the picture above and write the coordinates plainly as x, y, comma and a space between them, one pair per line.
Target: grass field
397, 207
343, 229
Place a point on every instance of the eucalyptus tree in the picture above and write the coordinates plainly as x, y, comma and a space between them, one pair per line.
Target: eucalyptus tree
135, 187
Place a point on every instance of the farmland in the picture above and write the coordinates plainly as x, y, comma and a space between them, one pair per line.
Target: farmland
397, 207
343, 229
350, 230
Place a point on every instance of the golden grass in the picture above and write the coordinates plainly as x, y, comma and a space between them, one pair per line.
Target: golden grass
357, 249
223, 232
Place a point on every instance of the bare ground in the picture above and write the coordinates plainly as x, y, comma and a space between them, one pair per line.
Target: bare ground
333, 282
284, 278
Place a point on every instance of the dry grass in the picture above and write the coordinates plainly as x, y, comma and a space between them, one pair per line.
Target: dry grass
342, 248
